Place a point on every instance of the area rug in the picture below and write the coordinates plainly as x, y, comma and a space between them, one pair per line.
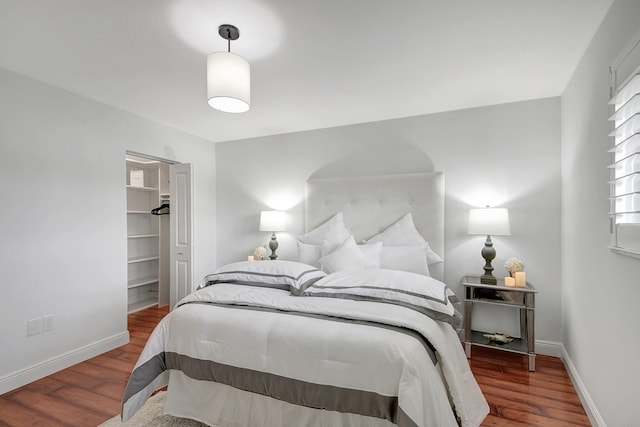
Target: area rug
151, 414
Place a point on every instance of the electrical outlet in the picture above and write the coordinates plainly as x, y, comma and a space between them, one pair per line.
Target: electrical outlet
47, 323
34, 326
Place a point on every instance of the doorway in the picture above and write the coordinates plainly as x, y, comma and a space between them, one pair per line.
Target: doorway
159, 209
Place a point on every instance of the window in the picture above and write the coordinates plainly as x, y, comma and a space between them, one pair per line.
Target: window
625, 152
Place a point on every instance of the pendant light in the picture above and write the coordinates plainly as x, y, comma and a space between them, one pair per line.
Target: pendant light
228, 76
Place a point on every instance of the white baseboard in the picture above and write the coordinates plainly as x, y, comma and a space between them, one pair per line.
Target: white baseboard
549, 348
63, 361
588, 403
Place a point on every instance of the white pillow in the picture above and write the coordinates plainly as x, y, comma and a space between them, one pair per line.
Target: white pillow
347, 256
333, 230
432, 257
279, 274
405, 258
423, 294
309, 254
404, 233
371, 252
328, 247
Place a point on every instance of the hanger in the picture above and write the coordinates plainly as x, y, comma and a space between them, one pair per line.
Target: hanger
157, 210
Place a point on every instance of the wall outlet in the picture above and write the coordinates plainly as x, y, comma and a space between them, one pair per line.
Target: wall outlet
34, 326
47, 323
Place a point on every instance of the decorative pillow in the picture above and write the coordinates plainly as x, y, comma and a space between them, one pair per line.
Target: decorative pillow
405, 258
401, 233
371, 252
404, 233
279, 274
423, 294
309, 254
328, 247
347, 256
432, 257
333, 230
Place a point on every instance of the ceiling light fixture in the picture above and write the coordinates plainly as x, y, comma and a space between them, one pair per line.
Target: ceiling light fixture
228, 76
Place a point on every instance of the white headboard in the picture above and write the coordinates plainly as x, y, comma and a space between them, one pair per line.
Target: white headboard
372, 203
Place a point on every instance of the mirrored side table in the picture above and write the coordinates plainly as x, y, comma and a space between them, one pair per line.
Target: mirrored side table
520, 298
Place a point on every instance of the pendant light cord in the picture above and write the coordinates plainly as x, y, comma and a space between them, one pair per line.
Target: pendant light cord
228, 40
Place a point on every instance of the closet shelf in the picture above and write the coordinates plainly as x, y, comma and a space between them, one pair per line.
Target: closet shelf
133, 187
143, 259
141, 282
147, 236
141, 305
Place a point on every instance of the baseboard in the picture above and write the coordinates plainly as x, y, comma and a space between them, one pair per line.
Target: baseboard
588, 403
549, 348
63, 361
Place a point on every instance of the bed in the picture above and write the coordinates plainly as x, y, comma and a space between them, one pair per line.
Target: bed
353, 333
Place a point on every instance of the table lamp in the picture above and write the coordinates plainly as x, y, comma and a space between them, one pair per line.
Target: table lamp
489, 222
272, 221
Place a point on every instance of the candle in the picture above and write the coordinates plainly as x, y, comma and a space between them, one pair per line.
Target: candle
521, 279
510, 282
250, 258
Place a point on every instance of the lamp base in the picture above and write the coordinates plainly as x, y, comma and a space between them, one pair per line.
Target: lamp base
273, 245
488, 253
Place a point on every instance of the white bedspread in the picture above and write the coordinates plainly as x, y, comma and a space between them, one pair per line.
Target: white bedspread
304, 351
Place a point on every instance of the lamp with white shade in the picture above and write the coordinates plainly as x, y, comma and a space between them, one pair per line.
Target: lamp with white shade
272, 221
489, 222
228, 76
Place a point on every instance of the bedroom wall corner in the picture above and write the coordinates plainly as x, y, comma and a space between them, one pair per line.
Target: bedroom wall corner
600, 289
63, 221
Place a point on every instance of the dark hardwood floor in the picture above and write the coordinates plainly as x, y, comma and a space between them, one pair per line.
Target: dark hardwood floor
86, 394
518, 397
89, 393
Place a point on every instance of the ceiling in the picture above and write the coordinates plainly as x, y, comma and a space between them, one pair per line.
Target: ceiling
314, 64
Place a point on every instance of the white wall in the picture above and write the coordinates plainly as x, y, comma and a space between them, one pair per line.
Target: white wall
505, 155
63, 243
601, 290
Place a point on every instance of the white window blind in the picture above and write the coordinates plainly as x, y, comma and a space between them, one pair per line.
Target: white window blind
625, 154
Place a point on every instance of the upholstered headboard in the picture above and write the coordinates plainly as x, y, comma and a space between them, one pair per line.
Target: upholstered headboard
372, 203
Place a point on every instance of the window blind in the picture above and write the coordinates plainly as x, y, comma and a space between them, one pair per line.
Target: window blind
625, 167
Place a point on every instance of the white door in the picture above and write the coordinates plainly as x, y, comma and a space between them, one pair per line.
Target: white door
181, 232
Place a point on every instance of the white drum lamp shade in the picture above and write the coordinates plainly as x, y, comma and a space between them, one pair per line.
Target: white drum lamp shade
228, 82
489, 222
272, 221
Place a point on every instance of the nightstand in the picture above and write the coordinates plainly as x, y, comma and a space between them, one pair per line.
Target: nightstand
521, 298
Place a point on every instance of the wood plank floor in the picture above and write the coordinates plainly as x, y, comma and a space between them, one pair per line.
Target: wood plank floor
86, 394
89, 393
518, 397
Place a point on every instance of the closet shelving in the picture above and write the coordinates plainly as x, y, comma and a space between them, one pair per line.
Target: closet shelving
147, 254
